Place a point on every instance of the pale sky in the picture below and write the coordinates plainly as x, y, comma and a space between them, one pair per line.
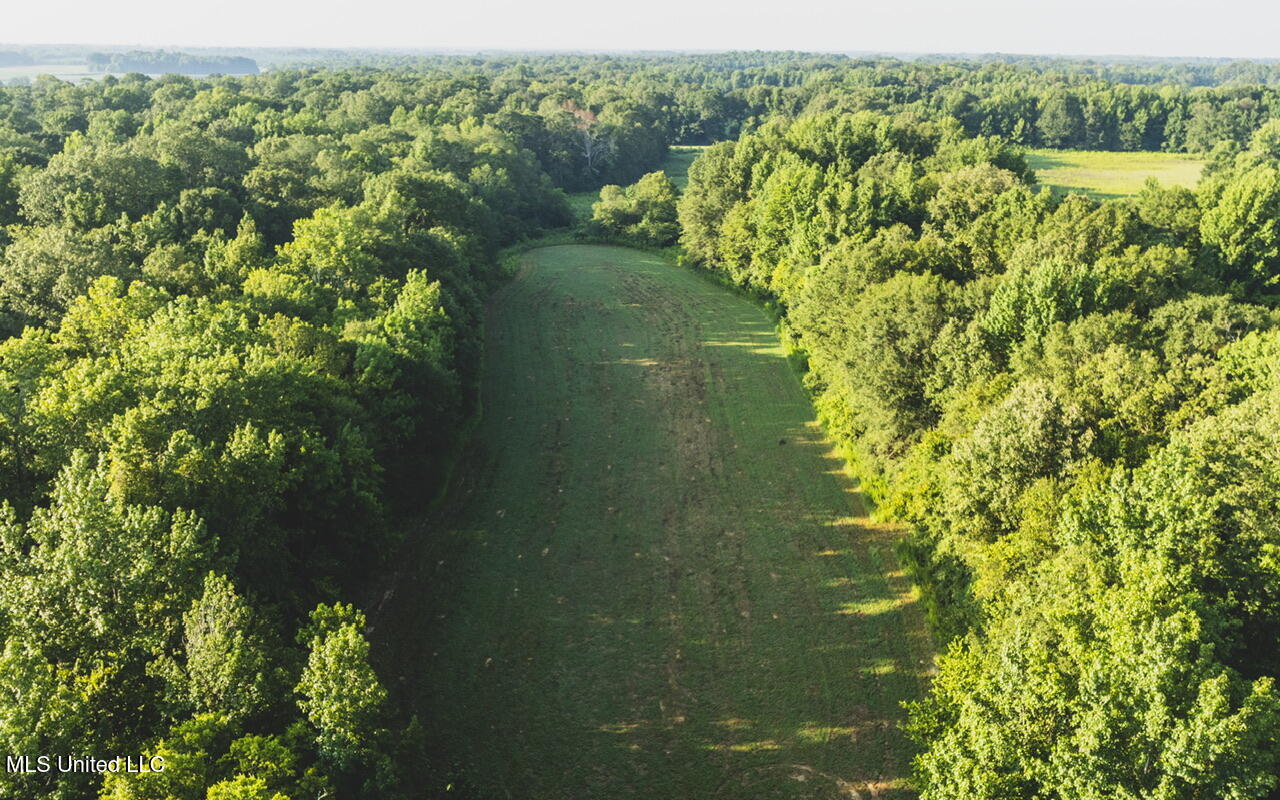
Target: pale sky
1233, 28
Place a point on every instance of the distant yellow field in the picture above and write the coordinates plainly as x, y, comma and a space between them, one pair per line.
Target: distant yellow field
1105, 175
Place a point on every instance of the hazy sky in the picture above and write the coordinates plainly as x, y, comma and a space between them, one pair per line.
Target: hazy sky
1239, 28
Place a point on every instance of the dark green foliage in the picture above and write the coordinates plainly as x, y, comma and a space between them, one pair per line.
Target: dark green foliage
644, 212
10, 172
1061, 122
243, 329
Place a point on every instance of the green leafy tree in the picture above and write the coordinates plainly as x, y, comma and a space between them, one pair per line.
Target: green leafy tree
1243, 228
230, 669
96, 575
644, 212
89, 186
1125, 663
1061, 122
339, 692
48, 267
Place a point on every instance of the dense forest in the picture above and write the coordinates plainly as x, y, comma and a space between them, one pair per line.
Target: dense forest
243, 325
243, 320
1074, 405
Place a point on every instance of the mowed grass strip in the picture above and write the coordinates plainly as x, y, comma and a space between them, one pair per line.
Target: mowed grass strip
656, 579
1107, 175
675, 165
677, 162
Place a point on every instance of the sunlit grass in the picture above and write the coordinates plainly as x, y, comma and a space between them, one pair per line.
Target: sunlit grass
1105, 175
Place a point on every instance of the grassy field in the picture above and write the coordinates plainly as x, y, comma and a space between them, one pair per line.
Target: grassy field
66, 72
677, 162
676, 165
73, 73
653, 577
1107, 175
581, 202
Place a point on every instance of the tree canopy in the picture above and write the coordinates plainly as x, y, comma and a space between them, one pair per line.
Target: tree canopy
242, 318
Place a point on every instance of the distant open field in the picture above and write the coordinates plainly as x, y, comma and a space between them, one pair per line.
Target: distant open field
73, 73
581, 203
656, 580
1107, 175
66, 72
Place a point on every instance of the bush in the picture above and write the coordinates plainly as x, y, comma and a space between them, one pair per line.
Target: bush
643, 213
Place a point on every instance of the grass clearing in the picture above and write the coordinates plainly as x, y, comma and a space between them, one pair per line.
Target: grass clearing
677, 162
65, 72
654, 578
676, 165
1107, 175
581, 202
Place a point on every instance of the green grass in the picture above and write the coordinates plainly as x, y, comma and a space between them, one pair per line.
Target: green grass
677, 162
1107, 175
581, 202
655, 578
676, 165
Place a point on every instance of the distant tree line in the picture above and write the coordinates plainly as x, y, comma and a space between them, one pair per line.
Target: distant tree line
11, 59
1184, 105
593, 119
157, 62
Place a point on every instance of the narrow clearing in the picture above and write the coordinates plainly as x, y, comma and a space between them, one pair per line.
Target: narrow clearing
654, 578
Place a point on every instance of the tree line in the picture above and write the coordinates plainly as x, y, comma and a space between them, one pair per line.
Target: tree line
613, 112
242, 326
1184, 105
1073, 405
159, 61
